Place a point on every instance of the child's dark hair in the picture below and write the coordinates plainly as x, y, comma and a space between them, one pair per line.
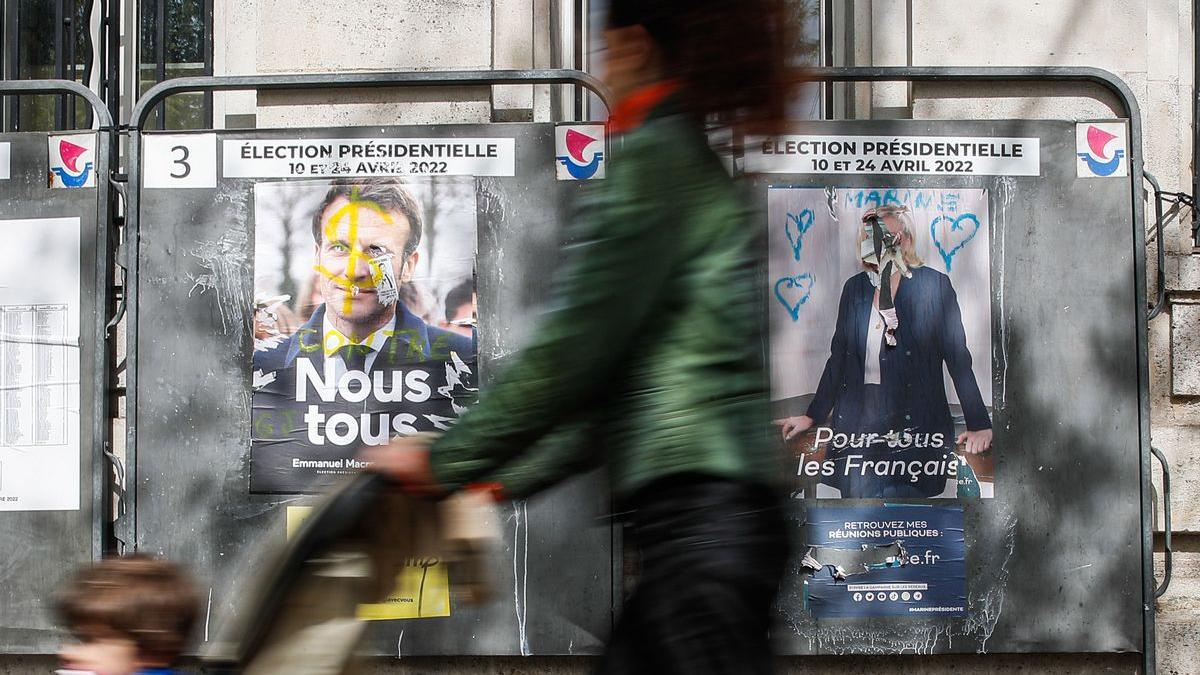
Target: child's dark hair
730, 55
458, 296
143, 598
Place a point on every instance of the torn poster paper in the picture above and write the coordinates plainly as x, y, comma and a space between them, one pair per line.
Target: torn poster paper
39, 365
422, 585
364, 321
889, 386
892, 560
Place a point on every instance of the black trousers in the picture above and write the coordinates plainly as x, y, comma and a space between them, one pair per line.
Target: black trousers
712, 553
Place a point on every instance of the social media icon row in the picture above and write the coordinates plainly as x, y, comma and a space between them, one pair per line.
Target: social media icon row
893, 596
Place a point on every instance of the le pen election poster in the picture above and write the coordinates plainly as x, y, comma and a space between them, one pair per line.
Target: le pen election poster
881, 339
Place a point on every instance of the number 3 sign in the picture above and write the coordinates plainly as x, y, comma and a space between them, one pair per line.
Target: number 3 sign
180, 161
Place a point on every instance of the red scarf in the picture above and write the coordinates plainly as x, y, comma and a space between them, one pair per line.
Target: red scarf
629, 113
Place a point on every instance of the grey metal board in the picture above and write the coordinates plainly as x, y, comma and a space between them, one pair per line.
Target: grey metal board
1054, 560
190, 426
42, 548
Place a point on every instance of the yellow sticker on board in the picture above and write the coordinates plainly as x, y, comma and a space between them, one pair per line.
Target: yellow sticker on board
422, 587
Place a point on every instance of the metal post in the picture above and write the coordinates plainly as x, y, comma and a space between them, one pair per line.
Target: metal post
1161, 276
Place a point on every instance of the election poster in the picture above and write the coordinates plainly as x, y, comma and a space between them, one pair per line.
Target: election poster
881, 340
422, 588
39, 366
891, 560
364, 320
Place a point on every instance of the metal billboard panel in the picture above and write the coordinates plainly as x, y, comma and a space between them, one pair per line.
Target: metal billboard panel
52, 523
191, 422
1053, 559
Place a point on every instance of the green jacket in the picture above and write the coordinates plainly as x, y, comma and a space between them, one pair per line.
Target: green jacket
651, 360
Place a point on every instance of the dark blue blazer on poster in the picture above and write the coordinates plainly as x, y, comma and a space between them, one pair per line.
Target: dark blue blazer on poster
413, 341
930, 334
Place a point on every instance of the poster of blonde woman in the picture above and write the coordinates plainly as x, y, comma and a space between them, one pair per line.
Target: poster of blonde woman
881, 340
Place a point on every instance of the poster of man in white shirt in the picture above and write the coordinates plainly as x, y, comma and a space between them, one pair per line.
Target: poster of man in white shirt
354, 338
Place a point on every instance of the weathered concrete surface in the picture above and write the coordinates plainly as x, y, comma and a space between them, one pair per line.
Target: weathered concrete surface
1185, 349
1179, 613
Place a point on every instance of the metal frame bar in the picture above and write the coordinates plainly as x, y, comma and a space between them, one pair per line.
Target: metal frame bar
1167, 562
60, 62
100, 375
160, 53
1161, 245
127, 530
12, 60
1125, 98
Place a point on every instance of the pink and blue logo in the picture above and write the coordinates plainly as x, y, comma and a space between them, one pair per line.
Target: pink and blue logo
69, 171
581, 154
1103, 152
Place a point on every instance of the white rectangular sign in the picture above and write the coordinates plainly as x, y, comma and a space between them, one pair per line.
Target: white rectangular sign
179, 161
39, 365
329, 157
895, 155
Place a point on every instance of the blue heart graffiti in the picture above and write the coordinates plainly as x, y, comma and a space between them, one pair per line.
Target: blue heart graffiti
795, 228
802, 285
950, 240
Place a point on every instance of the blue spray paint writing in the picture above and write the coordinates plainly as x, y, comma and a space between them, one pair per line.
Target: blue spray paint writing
950, 230
795, 228
951, 233
915, 199
793, 292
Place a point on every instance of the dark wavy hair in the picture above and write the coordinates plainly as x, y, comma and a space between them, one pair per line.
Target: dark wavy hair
730, 55
147, 600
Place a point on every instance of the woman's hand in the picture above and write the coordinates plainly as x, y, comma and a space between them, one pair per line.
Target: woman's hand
792, 427
976, 441
405, 461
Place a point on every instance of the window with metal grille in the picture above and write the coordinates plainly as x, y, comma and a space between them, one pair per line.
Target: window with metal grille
175, 40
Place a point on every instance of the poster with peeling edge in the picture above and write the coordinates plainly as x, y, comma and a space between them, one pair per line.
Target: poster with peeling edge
363, 327
897, 407
422, 586
39, 366
890, 560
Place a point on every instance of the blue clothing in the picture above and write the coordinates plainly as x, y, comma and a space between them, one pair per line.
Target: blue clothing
930, 334
911, 395
413, 340
306, 430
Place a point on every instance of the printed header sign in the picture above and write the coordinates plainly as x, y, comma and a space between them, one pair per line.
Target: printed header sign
358, 157
892, 560
897, 155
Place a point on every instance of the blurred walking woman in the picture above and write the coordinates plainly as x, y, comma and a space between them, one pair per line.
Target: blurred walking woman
654, 349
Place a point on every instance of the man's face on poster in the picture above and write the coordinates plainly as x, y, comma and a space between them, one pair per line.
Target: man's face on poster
353, 236
464, 318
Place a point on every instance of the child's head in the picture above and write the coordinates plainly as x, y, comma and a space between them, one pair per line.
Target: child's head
129, 614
